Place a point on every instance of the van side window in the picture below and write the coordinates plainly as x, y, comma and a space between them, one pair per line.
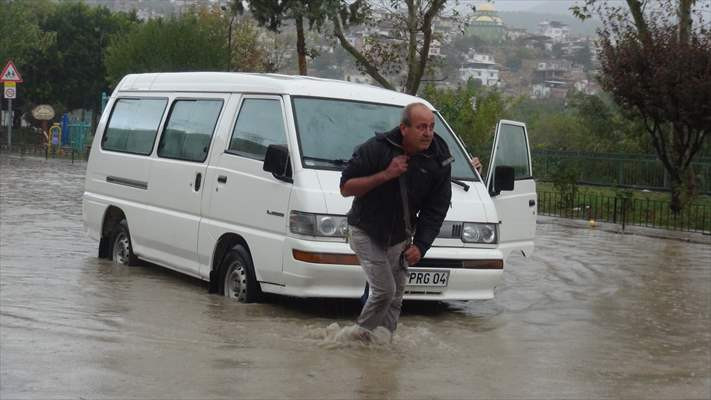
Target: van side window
189, 129
260, 123
133, 125
512, 150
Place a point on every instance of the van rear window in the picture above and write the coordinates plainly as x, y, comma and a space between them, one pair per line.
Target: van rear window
133, 125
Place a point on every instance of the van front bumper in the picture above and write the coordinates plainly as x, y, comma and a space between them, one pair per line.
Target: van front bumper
471, 276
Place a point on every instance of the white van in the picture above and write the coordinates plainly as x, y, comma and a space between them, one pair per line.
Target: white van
233, 178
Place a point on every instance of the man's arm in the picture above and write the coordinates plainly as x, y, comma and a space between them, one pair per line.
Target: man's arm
364, 184
433, 212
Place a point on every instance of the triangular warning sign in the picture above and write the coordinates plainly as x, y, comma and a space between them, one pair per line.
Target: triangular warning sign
10, 74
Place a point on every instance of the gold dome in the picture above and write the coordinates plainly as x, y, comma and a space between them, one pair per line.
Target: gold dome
485, 7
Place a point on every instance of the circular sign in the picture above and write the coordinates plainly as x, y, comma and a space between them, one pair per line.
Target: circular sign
10, 93
43, 112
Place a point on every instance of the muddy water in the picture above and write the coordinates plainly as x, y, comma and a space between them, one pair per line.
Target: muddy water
590, 315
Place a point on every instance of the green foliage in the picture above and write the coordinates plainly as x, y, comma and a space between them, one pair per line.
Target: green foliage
186, 43
582, 122
20, 31
474, 125
565, 178
69, 67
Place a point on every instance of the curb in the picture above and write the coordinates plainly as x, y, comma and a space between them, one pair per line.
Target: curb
691, 237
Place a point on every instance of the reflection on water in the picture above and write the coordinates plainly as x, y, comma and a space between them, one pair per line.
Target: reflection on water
590, 315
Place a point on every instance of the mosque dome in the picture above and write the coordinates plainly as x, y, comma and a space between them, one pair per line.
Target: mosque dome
486, 7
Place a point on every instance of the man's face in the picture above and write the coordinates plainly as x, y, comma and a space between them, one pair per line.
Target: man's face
418, 136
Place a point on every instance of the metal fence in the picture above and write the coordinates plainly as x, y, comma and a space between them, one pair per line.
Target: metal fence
619, 170
625, 211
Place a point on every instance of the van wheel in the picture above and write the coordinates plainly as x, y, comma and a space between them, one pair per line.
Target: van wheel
121, 249
238, 279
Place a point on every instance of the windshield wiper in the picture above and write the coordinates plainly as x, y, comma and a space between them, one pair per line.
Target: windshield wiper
337, 162
460, 183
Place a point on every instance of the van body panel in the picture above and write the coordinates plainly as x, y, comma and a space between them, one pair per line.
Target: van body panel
250, 201
516, 208
104, 183
331, 280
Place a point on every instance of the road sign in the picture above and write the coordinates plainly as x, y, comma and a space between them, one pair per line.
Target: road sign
10, 74
43, 112
10, 90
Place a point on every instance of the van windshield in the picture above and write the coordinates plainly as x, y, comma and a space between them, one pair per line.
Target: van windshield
329, 130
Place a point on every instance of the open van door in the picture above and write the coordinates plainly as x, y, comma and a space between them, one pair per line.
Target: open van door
514, 194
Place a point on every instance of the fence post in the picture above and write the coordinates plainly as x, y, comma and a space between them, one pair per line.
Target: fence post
620, 173
624, 212
614, 212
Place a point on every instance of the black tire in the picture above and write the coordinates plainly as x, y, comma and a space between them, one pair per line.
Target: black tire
121, 247
237, 279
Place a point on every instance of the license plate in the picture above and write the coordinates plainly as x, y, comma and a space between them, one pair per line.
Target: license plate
424, 277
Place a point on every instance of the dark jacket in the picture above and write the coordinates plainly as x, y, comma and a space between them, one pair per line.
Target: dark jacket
379, 212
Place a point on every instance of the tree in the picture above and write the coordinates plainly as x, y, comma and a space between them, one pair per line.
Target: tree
192, 41
408, 42
471, 110
656, 63
20, 31
68, 71
273, 13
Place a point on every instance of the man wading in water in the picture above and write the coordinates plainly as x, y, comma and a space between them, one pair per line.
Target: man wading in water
412, 160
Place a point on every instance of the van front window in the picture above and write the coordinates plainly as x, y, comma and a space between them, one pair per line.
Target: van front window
330, 129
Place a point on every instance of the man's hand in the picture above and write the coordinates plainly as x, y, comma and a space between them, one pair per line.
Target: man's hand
412, 255
397, 167
476, 163
364, 184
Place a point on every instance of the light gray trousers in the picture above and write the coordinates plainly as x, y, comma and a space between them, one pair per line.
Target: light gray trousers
386, 277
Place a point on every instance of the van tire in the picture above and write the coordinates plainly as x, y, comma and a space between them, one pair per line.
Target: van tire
237, 279
121, 247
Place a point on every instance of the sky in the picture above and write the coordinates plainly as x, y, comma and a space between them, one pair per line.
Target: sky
519, 5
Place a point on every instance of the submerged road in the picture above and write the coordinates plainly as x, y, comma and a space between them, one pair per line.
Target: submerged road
590, 315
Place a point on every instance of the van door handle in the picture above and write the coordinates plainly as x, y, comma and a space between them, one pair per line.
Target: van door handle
198, 181
222, 179
531, 203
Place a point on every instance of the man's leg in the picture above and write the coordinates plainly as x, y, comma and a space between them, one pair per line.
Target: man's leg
375, 263
399, 272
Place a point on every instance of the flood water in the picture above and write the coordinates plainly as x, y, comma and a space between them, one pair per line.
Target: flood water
590, 315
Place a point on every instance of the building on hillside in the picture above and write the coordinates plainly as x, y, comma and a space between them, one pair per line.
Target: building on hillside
481, 67
486, 24
551, 70
555, 30
514, 34
540, 42
550, 89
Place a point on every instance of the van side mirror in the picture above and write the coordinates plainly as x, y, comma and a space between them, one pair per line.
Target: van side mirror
277, 162
503, 179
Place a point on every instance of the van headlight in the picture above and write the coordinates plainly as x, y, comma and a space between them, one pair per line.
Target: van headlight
479, 233
308, 224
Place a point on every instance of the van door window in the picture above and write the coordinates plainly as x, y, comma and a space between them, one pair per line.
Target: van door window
133, 125
512, 150
260, 123
189, 129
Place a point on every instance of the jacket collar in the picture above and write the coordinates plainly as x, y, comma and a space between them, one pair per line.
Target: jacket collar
394, 138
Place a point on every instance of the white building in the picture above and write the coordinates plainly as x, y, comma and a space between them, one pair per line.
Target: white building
481, 67
555, 30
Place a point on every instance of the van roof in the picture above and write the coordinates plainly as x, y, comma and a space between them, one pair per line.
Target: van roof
262, 83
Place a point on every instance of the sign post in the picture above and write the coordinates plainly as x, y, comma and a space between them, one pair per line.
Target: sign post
10, 77
44, 112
